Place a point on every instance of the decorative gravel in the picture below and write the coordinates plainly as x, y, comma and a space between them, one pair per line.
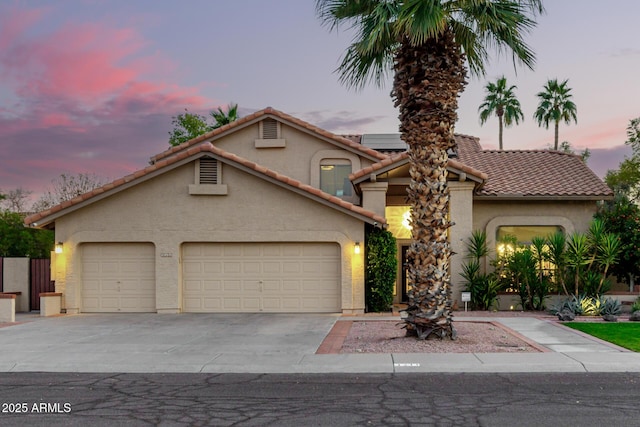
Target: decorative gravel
388, 336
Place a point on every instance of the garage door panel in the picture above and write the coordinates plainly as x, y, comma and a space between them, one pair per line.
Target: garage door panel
118, 277
254, 277
232, 267
251, 267
213, 268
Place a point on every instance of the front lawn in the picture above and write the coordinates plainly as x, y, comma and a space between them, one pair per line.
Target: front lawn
624, 334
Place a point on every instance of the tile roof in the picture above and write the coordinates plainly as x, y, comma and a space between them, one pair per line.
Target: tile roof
194, 151
400, 158
346, 141
516, 173
531, 173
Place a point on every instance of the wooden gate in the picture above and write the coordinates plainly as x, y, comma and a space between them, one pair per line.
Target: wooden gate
40, 276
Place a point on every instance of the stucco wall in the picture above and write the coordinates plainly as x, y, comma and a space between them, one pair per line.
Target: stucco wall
162, 212
16, 279
299, 159
572, 216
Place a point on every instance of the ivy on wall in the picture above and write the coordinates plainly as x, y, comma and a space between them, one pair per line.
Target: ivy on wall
380, 270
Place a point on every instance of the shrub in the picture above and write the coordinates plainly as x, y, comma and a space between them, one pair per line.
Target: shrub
380, 271
584, 305
571, 304
636, 305
610, 306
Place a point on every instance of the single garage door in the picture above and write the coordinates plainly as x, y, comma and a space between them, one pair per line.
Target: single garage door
118, 277
261, 277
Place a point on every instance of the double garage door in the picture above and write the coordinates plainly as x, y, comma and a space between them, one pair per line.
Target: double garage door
261, 277
216, 277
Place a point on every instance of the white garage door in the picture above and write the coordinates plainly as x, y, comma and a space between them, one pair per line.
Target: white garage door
118, 277
261, 277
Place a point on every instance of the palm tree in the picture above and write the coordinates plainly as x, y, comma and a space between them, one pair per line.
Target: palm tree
555, 105
502, 102
221, 118
425, 44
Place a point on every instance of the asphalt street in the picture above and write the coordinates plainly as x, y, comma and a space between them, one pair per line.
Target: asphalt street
542, 399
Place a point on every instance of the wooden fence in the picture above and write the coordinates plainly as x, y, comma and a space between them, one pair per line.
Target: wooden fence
40, 278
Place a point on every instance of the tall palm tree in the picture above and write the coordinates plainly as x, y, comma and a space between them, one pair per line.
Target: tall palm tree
502, 102
425, 43
555, 105
221, 118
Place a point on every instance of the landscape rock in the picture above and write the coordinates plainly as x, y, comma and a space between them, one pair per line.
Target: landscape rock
566, 315
610, 318
635, 316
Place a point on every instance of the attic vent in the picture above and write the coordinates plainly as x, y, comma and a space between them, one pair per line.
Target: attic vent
269, 129
208, 171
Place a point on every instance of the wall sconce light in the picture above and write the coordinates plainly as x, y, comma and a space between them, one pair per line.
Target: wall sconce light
58, 248
356, 248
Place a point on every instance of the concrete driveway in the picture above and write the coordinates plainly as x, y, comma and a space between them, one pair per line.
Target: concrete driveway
161, 342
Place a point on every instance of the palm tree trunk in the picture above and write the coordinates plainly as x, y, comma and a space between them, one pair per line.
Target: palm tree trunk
500, 131
555, 144
428, 81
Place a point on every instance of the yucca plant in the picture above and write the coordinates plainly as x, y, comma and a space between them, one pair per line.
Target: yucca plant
577, 257
608, 253
557, 243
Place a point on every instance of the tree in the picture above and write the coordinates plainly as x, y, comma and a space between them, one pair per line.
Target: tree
626, 180
66, 187
426, 44
187, 126
555, 105
16, 240
16, 200
221, 118
621, 216
565, 147
502, 102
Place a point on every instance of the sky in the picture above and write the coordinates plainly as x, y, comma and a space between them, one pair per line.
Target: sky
90, 86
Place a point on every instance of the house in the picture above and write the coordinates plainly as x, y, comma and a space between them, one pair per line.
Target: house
268, 214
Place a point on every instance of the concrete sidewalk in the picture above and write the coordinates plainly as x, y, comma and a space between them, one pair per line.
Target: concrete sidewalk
271, 343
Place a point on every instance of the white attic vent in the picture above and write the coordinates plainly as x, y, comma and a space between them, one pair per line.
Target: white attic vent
270, 134
269, 129
208, 173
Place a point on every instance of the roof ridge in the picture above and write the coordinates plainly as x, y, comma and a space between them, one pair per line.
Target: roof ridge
282, 115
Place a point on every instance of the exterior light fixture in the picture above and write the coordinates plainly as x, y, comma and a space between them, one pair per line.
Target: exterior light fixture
356, 248
58, 248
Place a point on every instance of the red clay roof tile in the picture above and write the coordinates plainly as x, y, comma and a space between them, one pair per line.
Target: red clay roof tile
532, 173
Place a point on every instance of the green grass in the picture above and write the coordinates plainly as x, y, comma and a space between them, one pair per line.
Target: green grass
625, 334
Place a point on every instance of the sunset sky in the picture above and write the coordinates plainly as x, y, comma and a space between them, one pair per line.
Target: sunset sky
91, 85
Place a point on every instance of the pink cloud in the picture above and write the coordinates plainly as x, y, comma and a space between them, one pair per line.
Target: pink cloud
56, 119
90, 65
82, 97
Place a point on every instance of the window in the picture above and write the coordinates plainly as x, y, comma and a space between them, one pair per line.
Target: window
511, 240
522, 234
334, 177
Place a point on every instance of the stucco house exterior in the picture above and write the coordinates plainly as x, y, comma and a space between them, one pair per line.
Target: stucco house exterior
268, 214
